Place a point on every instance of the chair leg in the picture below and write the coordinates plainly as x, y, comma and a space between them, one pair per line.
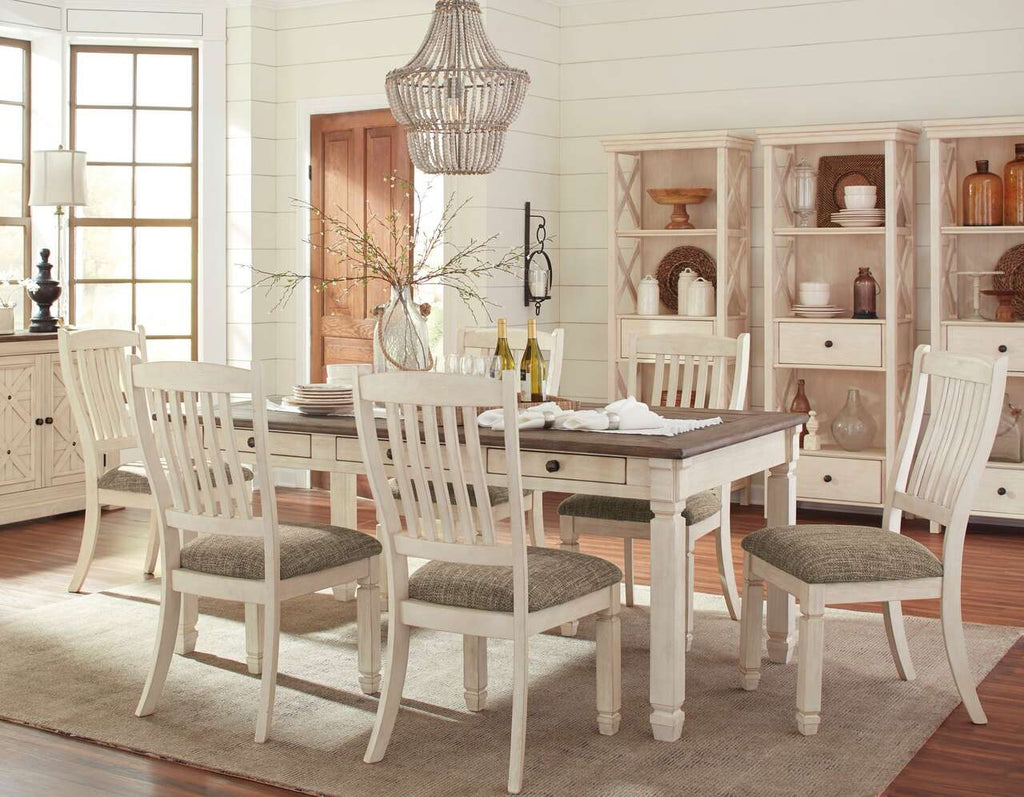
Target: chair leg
536, 520
391, 694
90, 531
627, 555
689, 593
956, 651
254, 619
474, 671
368, 625
268, 685
897, 636
811, 660
570, 542
609, 667
153, 547
517, 752
726, 569
163, 652
751, 628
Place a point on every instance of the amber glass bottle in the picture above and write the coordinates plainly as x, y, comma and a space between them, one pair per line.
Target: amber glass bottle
1013, 188
983, 198
801, 404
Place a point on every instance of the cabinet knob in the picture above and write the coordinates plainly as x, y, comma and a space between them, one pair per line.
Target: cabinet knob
552, 466
827, 478
1002, 348
1001, 491
39, 421
829, 344
48, 420
251, 442
388, 455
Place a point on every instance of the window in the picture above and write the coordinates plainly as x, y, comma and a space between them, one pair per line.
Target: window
14, 153
134, 247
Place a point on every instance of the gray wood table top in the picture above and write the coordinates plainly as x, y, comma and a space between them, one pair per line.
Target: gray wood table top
737, 427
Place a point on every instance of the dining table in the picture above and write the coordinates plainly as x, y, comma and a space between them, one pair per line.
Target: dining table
662, 469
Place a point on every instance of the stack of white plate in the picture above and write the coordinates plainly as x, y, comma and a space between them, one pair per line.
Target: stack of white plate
875, 217
817, 311
321, 399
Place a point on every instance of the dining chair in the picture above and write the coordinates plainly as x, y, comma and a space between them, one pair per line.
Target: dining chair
211, 542
689, 371
480, 341
935, 476
477, 583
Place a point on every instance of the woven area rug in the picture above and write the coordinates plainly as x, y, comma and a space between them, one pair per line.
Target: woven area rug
78, 668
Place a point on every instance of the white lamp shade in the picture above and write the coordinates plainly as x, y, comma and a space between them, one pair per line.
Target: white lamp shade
58, 178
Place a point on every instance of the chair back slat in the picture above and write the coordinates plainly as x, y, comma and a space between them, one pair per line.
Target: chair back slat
701, 361
480, 342
450, 426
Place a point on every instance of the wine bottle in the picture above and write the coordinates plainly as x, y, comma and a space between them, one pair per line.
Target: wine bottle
502, 350
533, 371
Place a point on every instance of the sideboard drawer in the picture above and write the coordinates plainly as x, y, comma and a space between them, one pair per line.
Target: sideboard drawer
1001, 490
993, 340
571, 467
282, 444
858, 345
858, 481
660, 325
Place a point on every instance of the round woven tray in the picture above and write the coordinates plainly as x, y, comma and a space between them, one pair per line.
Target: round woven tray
697, 260
1011, 264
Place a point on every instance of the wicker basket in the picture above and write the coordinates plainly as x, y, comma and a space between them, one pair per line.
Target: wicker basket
691, 257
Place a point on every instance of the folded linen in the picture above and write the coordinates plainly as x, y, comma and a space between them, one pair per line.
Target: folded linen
533, 418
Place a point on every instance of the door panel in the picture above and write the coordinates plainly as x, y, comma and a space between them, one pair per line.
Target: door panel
65, 455
354, 156
20, 465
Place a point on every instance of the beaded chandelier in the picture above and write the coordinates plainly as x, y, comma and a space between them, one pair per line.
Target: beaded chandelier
456, 97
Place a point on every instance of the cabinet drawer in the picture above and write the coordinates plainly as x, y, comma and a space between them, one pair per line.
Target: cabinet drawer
347, 449
1001, 490
571, 467
660, 325
858, 345
282, 444
858, 481
994, 340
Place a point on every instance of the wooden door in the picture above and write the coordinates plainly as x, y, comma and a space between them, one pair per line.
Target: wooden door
354, 157
63, 453
20, 395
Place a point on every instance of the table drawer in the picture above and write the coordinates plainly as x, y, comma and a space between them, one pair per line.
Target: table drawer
830, 344
1001, 490
858, 481
282, 444
347, 449
571, 467
993, 340
660, 325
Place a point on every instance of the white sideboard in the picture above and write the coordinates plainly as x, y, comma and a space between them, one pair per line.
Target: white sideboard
41, 467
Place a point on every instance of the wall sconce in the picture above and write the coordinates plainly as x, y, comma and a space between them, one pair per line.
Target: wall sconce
538, 273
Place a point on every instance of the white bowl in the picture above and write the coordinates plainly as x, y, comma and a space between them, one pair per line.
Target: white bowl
815, 286
814, 298
857, 202
860, 189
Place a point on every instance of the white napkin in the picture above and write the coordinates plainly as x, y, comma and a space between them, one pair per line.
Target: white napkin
532, 418
635, 417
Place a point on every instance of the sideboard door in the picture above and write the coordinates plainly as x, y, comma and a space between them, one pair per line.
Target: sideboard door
61, 447
21, 398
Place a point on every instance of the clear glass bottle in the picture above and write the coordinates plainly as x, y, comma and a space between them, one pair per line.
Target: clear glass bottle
533, 370
853, 428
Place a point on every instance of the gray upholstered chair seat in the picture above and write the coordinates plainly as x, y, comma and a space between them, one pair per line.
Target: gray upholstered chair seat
305, 548
827, 554
555, 577
130, 477
498, 495
636, 510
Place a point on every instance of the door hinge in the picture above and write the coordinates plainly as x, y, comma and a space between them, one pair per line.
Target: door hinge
311, 171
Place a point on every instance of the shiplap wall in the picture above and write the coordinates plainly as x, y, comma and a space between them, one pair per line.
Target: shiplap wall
664, 65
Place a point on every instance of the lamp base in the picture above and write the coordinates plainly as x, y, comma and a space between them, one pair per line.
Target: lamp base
47, 292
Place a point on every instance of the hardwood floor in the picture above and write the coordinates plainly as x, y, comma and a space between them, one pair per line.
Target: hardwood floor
36, 561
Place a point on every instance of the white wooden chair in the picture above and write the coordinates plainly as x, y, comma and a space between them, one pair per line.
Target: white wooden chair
480, 341
95, 376
935, 477
211, 543
697, 369
475, 585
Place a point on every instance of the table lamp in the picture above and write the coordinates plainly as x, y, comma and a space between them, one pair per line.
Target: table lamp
58, 180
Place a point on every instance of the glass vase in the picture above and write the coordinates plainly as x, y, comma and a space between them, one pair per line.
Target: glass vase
400, 338
853, 427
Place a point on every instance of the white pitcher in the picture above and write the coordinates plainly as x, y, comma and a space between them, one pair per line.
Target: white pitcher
648, 297
700, 298
686, 277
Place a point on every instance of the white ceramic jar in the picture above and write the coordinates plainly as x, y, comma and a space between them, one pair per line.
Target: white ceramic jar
686, 276
648, 296
700, 298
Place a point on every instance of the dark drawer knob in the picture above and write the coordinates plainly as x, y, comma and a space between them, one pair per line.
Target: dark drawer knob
552, 466
388, 455
48, 420
39, 421
1002, 348
827, 478
1001, 491
829, 344
251, 442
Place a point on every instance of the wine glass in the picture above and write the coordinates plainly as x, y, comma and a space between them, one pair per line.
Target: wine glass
480, 366
494, 367
466, 364
452, 364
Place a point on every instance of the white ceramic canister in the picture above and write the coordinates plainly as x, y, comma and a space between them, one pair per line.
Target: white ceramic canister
700, 298
648, 296
686, 276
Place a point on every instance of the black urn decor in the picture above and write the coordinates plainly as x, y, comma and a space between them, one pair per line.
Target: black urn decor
47, 291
